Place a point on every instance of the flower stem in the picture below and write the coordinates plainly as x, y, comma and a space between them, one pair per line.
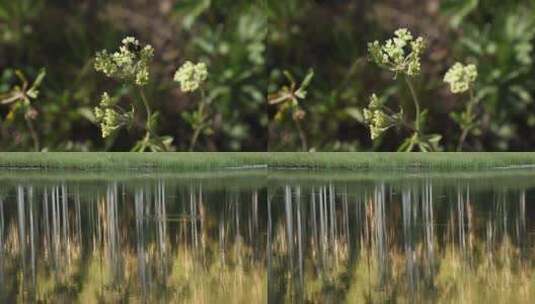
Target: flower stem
466, 130
147, 109
472, 102
149, 133
194, 138
198, 128
464, 134
416, 103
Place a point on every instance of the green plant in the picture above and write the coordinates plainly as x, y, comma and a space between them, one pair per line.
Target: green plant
15, 17
461, 79
287, 101
20, 98
191, 78
234, 49
503, 52
400, 55
130, 65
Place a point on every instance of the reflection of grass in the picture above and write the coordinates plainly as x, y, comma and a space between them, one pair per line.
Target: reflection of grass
482, 272
198, 161
187, 281
214, 179
216, 282
499, 278
510, 178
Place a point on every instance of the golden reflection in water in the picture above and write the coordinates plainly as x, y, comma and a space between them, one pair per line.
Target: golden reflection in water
60, 243
417, 241
407, 243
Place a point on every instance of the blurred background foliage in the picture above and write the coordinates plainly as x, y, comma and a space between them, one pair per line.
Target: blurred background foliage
247, 46
63, 37
331, 37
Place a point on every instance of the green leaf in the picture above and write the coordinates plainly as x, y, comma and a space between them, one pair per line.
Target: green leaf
88, 114
301, 94
153, 120
355, 113
167, 140
21, 77
308, 79
423, 118
404, 147
39, 79
290, 78
435, 138
424, 147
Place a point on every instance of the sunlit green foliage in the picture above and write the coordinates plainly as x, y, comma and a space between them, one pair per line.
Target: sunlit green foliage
247, 46
496, 36
64, 37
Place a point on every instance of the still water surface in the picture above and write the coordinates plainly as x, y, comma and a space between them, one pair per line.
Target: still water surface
268, 238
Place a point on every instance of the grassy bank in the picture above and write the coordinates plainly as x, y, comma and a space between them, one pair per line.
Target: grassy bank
212, 161
401, 161
125, 161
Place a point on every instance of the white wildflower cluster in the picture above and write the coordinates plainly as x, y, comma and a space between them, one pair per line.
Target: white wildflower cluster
400, 54
108, 118
461, 77
377, 120
131, 62
191, 76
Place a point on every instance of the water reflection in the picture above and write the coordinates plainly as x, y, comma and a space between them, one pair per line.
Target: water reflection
416, 240
313, 238
150, 241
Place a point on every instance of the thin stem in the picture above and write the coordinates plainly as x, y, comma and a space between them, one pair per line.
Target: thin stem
149, 131
147, 121
198, 128
33, 134
462, 139
467, 130
194, 139
472, 101
302, 135
147, 109
416, 103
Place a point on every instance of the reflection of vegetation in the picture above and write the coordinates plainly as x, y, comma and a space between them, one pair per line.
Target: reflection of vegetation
189, 240
222, 281
95, 245
409, 242
498, 277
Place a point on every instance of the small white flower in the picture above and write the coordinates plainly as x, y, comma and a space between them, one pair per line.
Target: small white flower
191, 76
130, 62
400, 54
461, 77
